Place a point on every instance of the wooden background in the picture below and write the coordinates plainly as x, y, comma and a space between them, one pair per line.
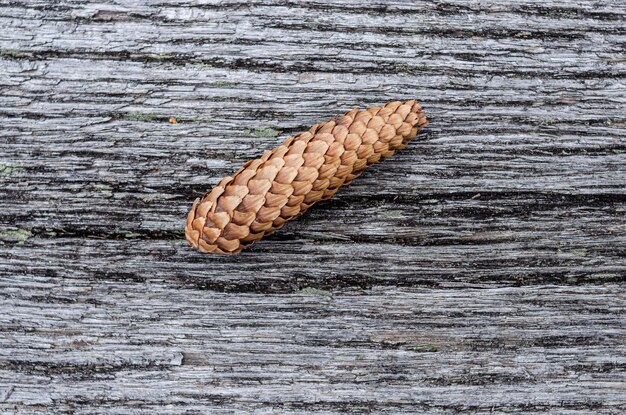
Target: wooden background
482, 270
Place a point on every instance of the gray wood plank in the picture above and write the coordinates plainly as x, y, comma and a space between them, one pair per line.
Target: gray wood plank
481, 270
100, 347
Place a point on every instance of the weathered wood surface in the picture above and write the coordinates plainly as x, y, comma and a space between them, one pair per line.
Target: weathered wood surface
480, 271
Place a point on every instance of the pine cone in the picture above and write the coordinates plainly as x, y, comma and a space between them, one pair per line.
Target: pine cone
267, 192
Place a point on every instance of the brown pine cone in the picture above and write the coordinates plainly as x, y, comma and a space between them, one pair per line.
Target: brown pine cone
267, 192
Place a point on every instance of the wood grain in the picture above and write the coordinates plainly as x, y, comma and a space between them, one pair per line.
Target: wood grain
481, 270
